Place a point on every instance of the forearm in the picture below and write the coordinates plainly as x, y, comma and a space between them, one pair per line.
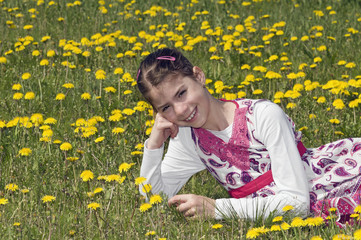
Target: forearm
252, 208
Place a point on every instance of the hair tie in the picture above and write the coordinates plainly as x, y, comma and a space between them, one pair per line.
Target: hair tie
138, 74
170, 58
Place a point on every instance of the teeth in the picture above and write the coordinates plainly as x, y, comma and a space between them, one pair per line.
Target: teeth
191, 116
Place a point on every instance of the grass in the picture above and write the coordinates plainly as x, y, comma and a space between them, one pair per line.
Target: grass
87, 36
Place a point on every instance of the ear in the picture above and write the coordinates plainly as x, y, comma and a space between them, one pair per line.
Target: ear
199, 74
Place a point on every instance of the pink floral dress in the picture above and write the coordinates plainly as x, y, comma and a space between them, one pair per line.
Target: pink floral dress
333, 170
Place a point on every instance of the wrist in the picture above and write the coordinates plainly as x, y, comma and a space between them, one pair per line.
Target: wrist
152, 145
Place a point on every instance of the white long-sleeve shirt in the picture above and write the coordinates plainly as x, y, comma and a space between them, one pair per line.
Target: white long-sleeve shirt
272, 127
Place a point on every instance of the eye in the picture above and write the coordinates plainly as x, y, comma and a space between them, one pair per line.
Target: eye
165, 108
182, 93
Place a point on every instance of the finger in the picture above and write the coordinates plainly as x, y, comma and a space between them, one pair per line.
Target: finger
190, 212
174, 131
176, 200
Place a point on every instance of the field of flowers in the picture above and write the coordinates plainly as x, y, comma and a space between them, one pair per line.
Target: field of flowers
72, 123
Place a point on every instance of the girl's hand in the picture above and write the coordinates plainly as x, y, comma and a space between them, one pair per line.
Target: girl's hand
194, 205
161, 131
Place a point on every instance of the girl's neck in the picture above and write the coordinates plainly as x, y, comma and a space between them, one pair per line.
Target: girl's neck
221, 114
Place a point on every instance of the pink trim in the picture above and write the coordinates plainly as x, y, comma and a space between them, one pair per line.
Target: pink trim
260, 182
225, 100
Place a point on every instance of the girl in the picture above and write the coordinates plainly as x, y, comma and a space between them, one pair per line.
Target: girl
250, 147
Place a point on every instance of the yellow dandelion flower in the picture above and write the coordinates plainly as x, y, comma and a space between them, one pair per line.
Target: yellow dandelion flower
66, 146
110, 89
252, 233
48, 198
11, 187
18, 96
3, 201
98, 190
29, 95
334, 121
124, 167
16, 224
145, 207
357, 209
60, 96
118, 130
126, 92
26, 76
287, 208
50, 121
338, 104
275, 228
93, 205
321, 100
99, 139
277, 219
314, 221
85, 96
217, 226
24, 190
16, 87
118, 71
68, 85
342, 237
25, 152
100, 74
72, 159
154, 199
140, 180
298, 222
350, 65
257, 92
87, 175
112, 178
357, 234
28, 27
291, 105
285, 226
317, 60
150, 233
147, 188
3, 60
44, 62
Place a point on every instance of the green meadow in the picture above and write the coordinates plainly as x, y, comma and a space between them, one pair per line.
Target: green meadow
73, 124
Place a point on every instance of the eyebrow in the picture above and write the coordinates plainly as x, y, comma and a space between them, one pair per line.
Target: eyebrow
175, 95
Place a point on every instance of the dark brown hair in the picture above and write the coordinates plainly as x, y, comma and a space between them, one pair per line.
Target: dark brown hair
153, 71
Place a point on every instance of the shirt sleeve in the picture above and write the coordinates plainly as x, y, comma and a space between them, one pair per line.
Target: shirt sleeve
180, 162
275, 131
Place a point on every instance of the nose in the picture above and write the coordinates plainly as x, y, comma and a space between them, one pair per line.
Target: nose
180, 109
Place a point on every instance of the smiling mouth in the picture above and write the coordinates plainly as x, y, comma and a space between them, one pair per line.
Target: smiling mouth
191, 116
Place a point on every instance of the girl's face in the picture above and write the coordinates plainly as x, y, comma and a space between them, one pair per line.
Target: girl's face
183, 101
